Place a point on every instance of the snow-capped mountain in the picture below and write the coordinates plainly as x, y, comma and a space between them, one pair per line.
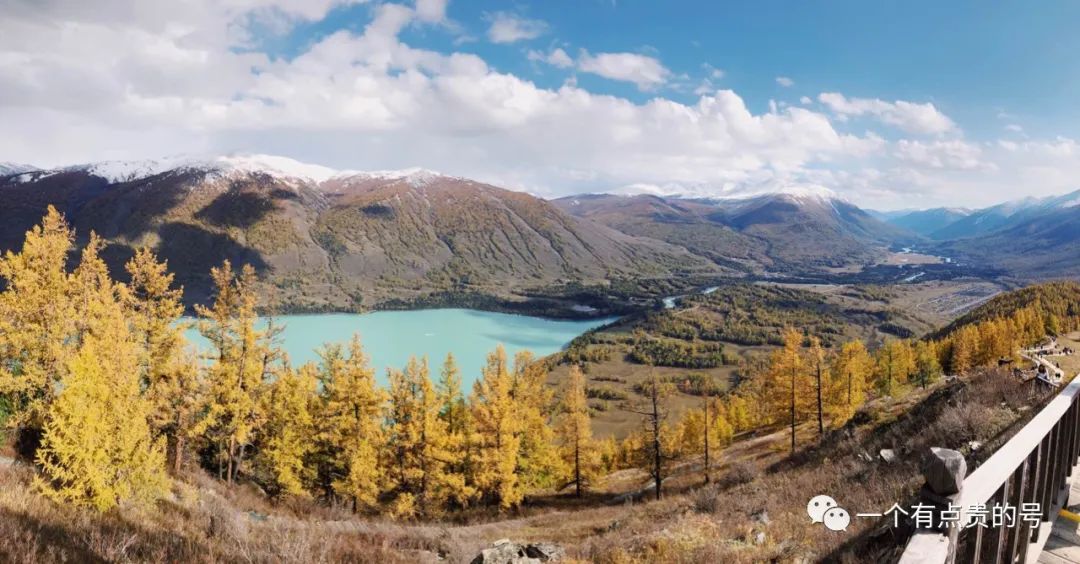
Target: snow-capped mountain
282, 168
1006, 215
329, 238
926, 222
9, 168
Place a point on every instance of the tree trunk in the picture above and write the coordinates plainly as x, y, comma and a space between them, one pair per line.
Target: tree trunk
706, 441
577, 467
792, 411
820, 416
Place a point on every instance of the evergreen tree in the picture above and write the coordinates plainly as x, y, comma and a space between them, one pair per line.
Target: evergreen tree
574, 430
818, 368
788, 384
539, 464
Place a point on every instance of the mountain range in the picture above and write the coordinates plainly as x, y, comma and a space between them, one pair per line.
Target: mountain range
331, 239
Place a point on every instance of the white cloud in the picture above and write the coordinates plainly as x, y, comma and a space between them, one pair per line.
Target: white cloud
556, 58
805, 100
510, 28
909, 116
431, 10
953, 154
713, 72
1015, 128
644, 71
120, 80
785, 81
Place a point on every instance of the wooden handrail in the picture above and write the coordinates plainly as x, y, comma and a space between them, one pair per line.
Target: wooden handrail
981, 484
1032, 467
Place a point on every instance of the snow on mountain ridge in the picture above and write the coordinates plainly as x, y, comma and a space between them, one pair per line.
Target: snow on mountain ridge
116, 171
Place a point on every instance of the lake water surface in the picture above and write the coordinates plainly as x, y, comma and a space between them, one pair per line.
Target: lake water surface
390, 337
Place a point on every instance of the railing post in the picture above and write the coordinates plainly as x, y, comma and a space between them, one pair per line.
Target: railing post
944, 470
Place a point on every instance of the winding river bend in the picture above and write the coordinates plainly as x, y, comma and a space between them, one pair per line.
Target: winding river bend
391, 337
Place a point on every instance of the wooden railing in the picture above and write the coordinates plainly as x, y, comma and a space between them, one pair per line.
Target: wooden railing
1032, 467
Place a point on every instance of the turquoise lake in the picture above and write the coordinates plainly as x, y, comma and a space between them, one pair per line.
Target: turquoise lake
391, 337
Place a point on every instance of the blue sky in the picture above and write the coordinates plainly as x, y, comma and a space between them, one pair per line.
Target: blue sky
974, 60
888, 104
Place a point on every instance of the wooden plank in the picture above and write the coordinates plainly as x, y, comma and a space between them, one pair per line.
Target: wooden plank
987, 478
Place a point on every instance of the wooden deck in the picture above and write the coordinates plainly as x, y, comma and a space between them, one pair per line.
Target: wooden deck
1063, 545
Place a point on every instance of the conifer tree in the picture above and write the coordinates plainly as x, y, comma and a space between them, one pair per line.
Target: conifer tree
455, 414
818, 368
927, 369
964, 349
244, 355
349, 420
37, 324
574, 430
895, 363
285, 441
850, 371
417, 441
788, 385
169, 377
497, 433
97, 448
656, 449
539, 464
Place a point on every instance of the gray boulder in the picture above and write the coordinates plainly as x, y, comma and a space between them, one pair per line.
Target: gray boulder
505, 551
944, 470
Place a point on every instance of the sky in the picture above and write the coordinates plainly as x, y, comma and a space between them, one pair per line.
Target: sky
891, 104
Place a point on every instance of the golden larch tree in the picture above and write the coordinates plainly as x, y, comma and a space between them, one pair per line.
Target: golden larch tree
417, 444
97, 448
37, 324
849, 373
242, 358
285, 438
498, 436
894, 365
574, 432
349, 421
169, 376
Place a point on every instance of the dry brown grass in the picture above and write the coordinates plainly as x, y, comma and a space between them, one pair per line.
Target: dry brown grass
205, 521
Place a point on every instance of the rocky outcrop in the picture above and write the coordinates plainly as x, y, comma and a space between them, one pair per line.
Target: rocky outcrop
505, 551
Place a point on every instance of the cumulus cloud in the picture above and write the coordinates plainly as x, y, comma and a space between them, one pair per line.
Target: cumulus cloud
556, 58
954, 154
644, 71
126, 79
510, 28
785, 81
909, 116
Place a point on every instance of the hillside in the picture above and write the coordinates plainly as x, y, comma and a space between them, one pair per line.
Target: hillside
782, 232
928, 222
325, 239
1055, 302
711, 338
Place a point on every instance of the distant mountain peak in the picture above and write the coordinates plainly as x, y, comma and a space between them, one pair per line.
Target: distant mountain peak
282, 168
10, 168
